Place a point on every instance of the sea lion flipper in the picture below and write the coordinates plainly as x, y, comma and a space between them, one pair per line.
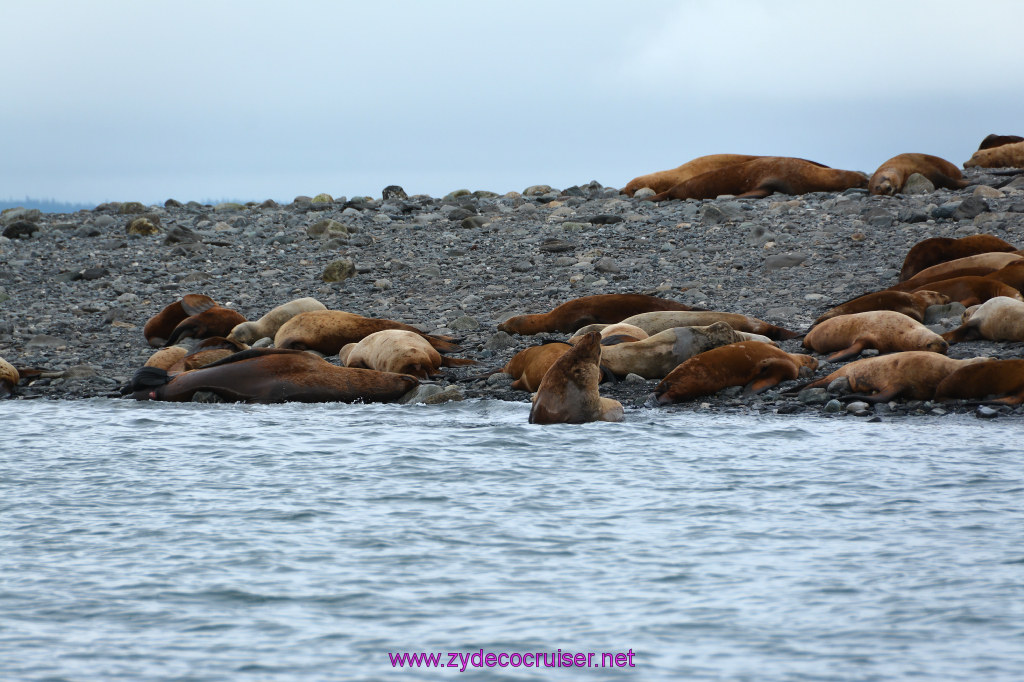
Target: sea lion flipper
846, 354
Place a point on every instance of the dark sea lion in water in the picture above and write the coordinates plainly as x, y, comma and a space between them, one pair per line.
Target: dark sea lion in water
270, 375
579, 312
764, 176
159, 327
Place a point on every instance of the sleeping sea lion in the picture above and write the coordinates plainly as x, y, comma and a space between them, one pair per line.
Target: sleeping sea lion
568, 392
215, 321
398, 351
979, 264
761, 177
937, 250
663, 180
755, 366
655, 322
159, 327
271, 375
9, 378
327, 331
1004, 156
973, 290
887, 331
892, 175
910, 304
994, 140
657, 355
267, 326
571, 315
999, 382
997, 319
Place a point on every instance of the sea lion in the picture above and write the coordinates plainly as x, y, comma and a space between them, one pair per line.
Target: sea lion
267, 326
571, 315
972, 290
999, 381
1011, 273
887, 331
994, 140
997, 319
657, 355
937, 250
621, 330
910, 375
159, 327
761, 177
215, 321
910, 304
979, 264
892, 175
755, 366
167, 357
655, 322
568, 392
529, 365
398, 351
272, 375
1004, 156
9, 378
666, 179
327, 331
208, 352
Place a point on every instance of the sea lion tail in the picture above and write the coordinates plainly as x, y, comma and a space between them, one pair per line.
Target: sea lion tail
146, 378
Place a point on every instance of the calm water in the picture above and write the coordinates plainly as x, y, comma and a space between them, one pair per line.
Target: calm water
219, 542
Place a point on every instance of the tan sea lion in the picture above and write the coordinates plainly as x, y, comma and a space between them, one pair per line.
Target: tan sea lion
655, 322
571, 315
167, 357
755, 366
398, 351
529, 365
9, 378
892, 175
910, 375
327, 331
997, 319
267, 326
159, 327
215, 321
910, 304
885, 330
998, 381
272, 375
1004, 156
994, 140
663, 180
761, 177
211, 350
973, 290
568, 392
979, 264
657, 355
937, 250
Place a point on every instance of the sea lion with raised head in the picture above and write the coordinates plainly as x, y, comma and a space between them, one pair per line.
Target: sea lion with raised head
568, 393
571, 315
398, 351
935, 250
1003, 156
655, 322
272, 375
997, 319
892, 175
755, 366
159, 327
910, 304
998, 382
884, 330
666, 179
764, 176
215, 321
328, 331
267, 326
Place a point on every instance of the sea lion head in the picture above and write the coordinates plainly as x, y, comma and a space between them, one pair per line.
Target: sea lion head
884, 182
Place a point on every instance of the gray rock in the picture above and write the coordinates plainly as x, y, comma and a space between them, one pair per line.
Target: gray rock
832, 407
464, 323
420, 394
634, 379
936, 313
206, 397
986, 412
327, 229
970, 207
783, 260
393, 192
20, 229
643, 193
813, 396
500, 341
339, 271
474, 221
606, 265
918, 184
46, 341
839, 386
857, 406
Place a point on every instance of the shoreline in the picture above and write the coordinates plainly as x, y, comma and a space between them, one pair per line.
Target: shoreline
75, 294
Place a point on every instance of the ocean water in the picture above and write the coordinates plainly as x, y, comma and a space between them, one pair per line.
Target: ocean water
146, 541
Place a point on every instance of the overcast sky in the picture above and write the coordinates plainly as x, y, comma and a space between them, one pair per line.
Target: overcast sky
129, 100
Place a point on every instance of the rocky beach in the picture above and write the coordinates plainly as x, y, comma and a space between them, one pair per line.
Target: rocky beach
76, 289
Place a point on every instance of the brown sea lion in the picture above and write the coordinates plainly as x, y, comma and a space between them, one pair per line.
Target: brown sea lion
910, 375
267, 326
568, 392
215, 321
167, 357
761, 177
979, 264
398, 351
885, 330
1004, 156
9, 378
973, 290
655, 322
910, 304
571, 315
937, 250
994, 140
208, 352
663, 180
997, 319
657, 355
998, 381
159, 327
1011, 273
328, 331
272, 375
755, 366
529, 365
892, 175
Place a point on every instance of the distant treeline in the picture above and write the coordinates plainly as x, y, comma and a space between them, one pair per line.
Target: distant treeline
44, 205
